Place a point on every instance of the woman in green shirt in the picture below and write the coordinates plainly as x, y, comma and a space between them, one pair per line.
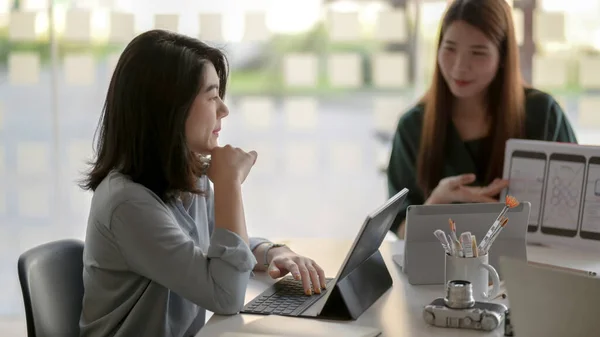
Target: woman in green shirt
450, 146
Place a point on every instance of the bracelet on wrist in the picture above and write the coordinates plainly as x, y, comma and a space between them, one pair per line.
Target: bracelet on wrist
270, 246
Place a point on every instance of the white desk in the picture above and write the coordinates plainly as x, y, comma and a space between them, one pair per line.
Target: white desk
397, 312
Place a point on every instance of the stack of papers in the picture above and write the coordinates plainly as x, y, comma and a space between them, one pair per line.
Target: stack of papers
282, 326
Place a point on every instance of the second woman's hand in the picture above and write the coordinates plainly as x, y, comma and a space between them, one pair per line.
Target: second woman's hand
456, 189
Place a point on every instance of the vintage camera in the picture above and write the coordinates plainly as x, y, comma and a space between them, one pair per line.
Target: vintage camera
459, 310
508, 328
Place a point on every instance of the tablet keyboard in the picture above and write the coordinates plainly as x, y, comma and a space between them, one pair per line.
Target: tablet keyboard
286, 297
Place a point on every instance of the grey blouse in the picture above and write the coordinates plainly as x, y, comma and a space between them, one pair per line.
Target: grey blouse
152, 269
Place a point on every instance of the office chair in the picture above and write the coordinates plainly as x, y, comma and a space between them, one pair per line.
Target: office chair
52, 285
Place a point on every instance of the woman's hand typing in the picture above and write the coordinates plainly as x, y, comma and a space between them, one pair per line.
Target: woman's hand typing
283, 261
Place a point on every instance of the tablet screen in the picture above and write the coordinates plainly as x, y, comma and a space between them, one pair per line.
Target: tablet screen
526, 180
590, 222
563, 195
372, 233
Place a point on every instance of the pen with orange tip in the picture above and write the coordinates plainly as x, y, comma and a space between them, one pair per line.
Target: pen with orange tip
488, 245
510, 202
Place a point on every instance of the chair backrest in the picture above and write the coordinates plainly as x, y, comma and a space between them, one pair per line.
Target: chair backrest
52, 284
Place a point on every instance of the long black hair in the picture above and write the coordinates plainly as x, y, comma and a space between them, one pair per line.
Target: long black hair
141, 132
505, 94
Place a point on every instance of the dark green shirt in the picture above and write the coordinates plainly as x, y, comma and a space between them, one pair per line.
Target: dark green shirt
544, 120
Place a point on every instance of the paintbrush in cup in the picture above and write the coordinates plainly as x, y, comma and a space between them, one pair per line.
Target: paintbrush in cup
510, 202
488, 245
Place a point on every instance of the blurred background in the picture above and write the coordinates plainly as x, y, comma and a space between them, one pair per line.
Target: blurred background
316, 88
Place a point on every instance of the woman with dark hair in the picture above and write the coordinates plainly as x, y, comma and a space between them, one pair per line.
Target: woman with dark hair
450, 147
161, 247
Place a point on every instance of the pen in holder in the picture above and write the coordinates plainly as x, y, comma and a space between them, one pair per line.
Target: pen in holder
477, 271
499, 223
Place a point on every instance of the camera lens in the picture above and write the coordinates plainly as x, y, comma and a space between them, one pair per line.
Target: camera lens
459, 294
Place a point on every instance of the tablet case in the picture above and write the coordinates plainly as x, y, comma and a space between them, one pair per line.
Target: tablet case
358, 290
423, 253
355, 292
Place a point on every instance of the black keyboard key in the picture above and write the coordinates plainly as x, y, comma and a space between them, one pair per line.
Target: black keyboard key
286, 297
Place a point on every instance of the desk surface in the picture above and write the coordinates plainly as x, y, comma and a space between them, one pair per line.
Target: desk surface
398, 312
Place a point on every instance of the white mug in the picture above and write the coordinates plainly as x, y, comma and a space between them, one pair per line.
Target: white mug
475, 270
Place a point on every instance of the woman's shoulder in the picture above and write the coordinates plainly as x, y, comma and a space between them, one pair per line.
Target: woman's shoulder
117, 189
538, 104
412, 119
545, 119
